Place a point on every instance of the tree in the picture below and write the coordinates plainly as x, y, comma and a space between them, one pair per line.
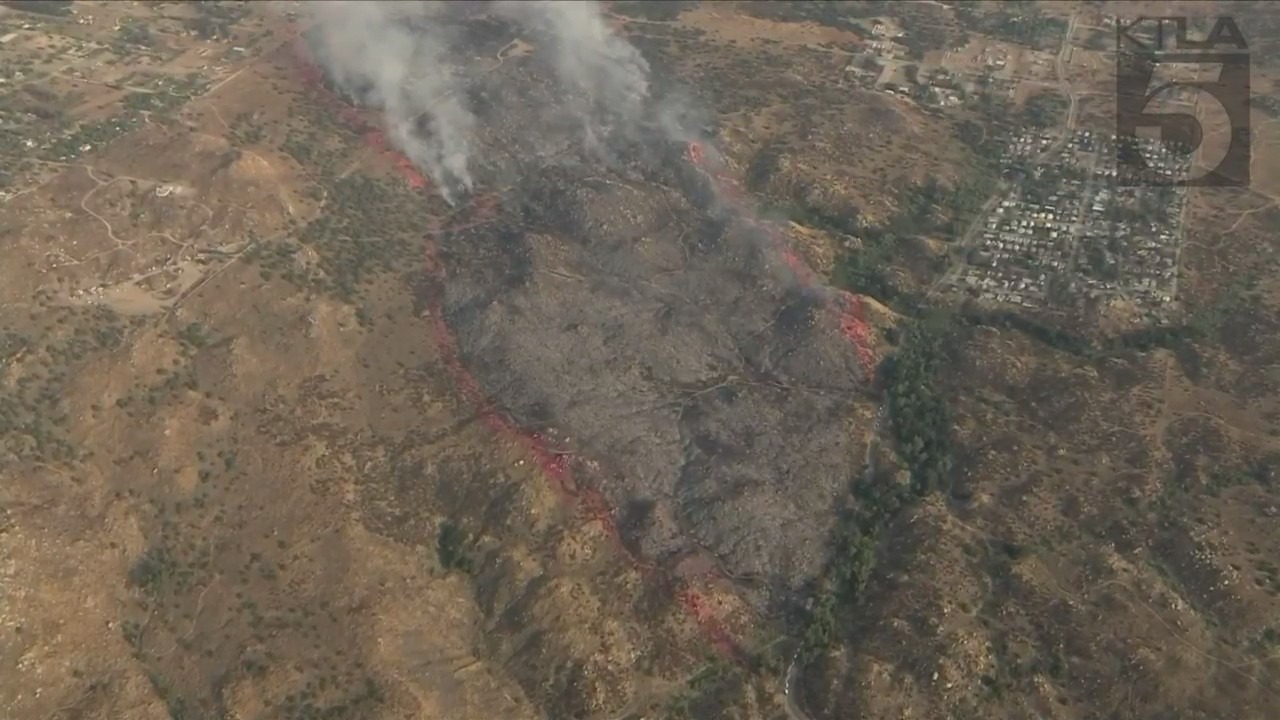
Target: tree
450, 548
972, 134
1044, 109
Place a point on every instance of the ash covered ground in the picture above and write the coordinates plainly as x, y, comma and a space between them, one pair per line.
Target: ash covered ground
604, 294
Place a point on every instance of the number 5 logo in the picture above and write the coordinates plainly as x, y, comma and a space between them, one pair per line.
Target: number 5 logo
1222, 104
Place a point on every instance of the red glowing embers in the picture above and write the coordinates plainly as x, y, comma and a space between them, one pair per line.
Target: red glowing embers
705, 617
409, 172
857, 331
695, 153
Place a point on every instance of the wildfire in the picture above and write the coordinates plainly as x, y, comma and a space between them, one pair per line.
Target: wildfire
853, 326
857, 331
695, 153
556, 466
709, 623
409, 171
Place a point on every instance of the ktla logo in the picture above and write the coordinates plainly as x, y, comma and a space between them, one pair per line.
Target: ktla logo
1177, 111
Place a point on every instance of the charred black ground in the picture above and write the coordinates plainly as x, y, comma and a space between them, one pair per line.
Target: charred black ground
663, 344
611, 303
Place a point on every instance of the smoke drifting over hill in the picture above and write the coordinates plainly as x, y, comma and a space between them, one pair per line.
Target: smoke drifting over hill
396, 56
589, 57
610, 281
386, 54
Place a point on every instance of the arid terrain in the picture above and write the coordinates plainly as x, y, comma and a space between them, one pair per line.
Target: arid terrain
679, 429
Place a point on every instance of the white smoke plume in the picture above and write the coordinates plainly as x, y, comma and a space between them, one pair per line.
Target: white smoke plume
394, 56
386, 54
589, 56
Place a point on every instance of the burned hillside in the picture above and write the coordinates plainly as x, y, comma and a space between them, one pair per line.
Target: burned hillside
607, 295
658, 338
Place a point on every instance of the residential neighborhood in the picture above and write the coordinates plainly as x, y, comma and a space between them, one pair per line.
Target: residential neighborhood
1077, 226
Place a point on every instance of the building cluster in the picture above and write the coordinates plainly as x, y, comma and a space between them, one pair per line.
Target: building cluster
1024, 247
1073, 230
1131, 232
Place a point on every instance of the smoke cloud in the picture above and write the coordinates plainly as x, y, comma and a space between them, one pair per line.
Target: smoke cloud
389, 55
395, 56
588, 55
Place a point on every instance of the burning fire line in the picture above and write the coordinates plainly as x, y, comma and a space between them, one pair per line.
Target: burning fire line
850, 309
554, 464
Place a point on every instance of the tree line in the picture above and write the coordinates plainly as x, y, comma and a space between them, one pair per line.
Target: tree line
919, 422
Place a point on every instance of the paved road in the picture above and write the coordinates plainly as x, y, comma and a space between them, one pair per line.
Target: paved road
1082, 213
1065, 86
1186, 206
